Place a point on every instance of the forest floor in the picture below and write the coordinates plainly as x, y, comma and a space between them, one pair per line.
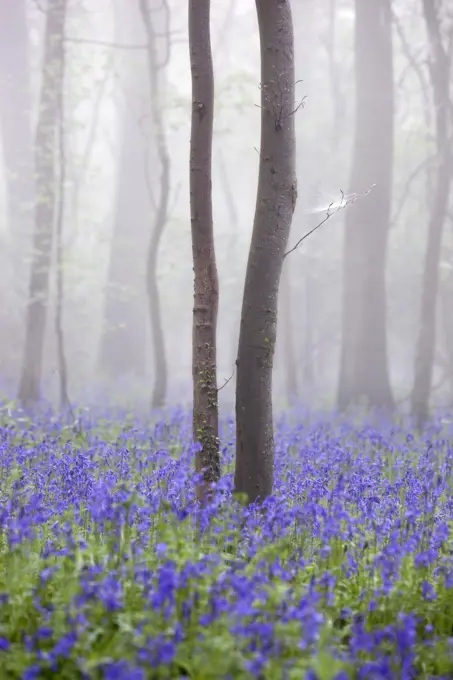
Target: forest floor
109, 569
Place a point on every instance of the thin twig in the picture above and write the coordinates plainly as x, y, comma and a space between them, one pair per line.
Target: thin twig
329, 213
405, 193
416, 66
226, 382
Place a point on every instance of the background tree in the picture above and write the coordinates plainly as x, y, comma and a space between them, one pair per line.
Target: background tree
122, 352
206, 287
15, 119
364, 371
440, 74
64, 403
156, 67
46, 172
275, 204
16, 108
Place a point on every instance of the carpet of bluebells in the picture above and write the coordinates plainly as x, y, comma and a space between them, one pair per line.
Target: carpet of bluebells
110, 570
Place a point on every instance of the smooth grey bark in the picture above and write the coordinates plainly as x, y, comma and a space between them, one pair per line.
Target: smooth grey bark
440, 73
16, 130
206, 285
46, 176
276, 200
364, 375
155, 68
122, 350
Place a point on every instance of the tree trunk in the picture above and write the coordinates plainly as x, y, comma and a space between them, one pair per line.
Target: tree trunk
206, 285
45, 155
364, 363
64, 403
16, 129
440, 68
122, 351
446, 308
276, 200
155, 80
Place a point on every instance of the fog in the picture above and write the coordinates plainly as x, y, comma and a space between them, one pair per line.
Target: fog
127, 92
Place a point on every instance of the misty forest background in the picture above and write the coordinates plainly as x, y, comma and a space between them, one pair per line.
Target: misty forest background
366, 317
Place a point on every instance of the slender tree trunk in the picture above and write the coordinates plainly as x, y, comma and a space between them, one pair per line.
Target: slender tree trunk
16, 129
446, 308
440, 69
45, 157
155, 68
276, 200
122, 351
206, 285
364, 362
79, 178
65, 405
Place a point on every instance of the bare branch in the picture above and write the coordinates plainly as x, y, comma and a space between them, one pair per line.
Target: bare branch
86, 156
226, 382
345, 201
329, 214
39, 7
276, 107
416, 66
407, 186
